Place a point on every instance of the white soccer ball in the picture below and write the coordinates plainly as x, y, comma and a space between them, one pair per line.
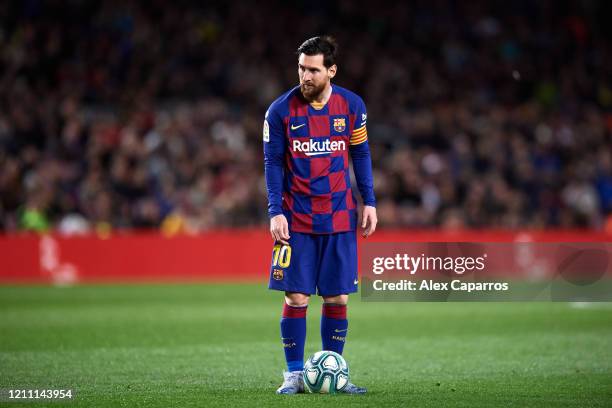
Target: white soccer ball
325, 372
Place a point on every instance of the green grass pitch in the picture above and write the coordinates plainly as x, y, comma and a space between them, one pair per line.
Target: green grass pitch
219, 345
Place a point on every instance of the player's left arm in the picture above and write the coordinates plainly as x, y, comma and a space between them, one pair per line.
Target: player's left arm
362, 165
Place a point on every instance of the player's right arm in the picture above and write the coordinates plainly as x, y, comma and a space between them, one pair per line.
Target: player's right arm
274, 155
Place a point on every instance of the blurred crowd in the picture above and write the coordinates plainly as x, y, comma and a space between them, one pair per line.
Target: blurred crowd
125, 114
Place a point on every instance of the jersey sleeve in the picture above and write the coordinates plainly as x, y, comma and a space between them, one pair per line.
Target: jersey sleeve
360, 155
274, 153
359, 134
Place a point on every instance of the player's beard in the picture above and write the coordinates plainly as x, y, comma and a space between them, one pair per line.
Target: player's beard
312, 92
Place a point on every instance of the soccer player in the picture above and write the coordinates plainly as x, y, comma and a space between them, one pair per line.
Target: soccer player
308, 134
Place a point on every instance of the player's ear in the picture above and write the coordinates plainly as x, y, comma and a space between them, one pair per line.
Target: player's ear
331, 71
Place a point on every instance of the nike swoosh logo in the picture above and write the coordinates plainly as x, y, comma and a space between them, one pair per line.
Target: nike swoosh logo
297, 127
356, 282
340, 331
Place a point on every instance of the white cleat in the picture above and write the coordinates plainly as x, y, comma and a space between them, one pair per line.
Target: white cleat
353, 389
293, 383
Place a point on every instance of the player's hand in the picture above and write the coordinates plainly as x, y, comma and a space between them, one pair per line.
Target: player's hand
279, 228
368, 221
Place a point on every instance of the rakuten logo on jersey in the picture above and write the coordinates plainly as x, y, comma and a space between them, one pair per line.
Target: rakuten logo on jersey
315, 148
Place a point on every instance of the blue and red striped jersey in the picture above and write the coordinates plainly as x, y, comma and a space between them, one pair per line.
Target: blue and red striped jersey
306, 151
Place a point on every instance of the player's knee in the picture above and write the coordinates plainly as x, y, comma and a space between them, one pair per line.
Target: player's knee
296, 299
338, 299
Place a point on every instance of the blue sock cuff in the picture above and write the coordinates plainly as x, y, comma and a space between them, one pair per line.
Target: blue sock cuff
296, 365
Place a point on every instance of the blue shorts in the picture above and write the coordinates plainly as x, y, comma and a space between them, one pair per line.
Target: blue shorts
323, 264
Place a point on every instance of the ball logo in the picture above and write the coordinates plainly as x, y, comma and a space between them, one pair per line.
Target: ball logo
315, 148
331, 362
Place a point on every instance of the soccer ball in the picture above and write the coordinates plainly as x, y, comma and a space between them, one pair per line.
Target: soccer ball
325, 372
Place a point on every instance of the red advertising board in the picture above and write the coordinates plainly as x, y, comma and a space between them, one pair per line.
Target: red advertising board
226, 255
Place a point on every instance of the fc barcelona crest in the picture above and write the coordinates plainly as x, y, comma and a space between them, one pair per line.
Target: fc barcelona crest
339, 124
277, 274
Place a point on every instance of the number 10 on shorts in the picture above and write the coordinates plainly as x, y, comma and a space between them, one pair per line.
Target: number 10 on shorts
281, 255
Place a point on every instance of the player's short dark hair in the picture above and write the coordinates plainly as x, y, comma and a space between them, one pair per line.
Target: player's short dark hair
325, 45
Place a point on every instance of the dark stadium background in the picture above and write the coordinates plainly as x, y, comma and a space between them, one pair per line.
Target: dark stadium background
137, 114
